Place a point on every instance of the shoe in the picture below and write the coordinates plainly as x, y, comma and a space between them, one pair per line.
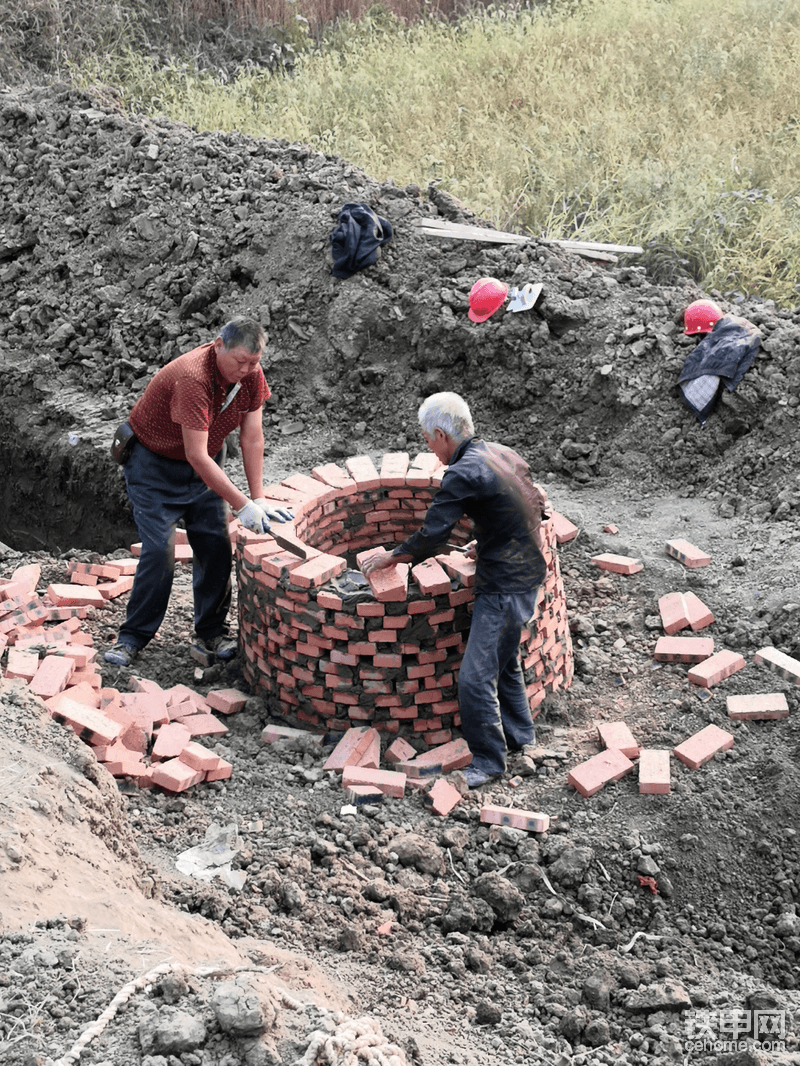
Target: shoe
222, 647
122, 654
475, 777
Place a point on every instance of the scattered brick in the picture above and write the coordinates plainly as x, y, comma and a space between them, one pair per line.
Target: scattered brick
699, 615
227, 700
683, 649
203, 725
530, 821
171, 740
716, 669
199, 757
564, 530
687, 554
74, 596
222, 772
350, 748
454, 755
399, 751
673, 611
618, 564
52, 676
21, 664
390, 782
442, 798
371, 757
590, 776
618, 735
654, 773
175, 775
780, 663
759, 706
358, 795
611, 528
698, 749
272, 733
89, 724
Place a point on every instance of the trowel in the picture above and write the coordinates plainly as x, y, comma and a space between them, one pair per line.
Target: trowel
523, 299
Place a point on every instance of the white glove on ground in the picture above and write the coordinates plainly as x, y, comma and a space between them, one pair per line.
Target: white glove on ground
254, 517
281, 514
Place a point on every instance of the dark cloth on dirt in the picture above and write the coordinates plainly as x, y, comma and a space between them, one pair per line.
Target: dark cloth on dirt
356, 239
492, 485
190, 392
724, 354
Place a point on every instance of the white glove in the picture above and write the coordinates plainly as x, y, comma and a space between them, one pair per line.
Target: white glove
254, 517
281, 514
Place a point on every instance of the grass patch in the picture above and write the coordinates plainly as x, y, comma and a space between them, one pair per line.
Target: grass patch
667, 124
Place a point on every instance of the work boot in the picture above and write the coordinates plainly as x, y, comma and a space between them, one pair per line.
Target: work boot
475, 777
122, 654
221, 647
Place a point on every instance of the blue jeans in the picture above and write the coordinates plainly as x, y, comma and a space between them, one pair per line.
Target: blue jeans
494, 707
162, 491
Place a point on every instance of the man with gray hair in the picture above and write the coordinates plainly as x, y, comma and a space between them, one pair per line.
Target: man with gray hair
492, 485
174, 471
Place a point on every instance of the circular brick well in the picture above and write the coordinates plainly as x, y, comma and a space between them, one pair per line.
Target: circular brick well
328, 652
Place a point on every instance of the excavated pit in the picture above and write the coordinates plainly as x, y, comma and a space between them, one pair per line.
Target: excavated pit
331, 650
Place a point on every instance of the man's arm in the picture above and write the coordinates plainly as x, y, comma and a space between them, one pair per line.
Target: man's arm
195, 444
251, 440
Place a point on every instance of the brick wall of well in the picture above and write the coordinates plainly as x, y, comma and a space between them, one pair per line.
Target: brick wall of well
326, 660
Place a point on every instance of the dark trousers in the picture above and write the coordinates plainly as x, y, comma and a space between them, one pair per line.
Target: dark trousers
162, 491
494, 708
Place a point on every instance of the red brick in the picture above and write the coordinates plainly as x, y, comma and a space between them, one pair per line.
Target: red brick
199, 757
590, 776
358, 795
399, 751
171, 740
431, 578
222, 772
459, 566
21, 664
441, 759
52, 676
687, 554
72, 596
394, 466
203, 725
618, 735
715, 669
421, 470
175, 775
683, 649
564, 530
442, 798
674, 613
86, 722
766, 705
654, 772
390, 782
699, 615
82, 579
227, 700
362, 470
780, 663
351, 748
703, 746
618, 564
329, 600
110, 590
530, 821
27, 577
317, 571
333, 475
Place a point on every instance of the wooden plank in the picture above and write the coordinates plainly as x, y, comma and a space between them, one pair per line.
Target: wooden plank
435, 227
585, 253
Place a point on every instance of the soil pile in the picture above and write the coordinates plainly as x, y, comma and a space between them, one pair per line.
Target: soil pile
127, 242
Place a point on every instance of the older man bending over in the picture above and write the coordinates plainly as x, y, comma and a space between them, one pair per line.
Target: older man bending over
492, 485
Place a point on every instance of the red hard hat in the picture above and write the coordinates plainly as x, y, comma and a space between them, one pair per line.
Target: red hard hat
485, 297
700, 316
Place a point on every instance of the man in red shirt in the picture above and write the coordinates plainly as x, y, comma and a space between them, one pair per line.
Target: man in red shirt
174, 472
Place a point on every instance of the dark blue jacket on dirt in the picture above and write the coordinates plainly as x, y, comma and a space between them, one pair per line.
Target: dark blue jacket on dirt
492, 485
727, 351
357, 238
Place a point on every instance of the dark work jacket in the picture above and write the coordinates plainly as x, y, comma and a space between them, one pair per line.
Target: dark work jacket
492, 485
727, 351
356, 239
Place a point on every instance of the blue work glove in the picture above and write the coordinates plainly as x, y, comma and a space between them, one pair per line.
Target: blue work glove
254, 517
281, 514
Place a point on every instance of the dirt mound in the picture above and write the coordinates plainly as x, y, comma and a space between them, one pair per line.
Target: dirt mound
126, 242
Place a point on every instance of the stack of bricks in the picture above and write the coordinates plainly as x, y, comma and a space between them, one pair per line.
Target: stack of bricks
328, 659
148, 735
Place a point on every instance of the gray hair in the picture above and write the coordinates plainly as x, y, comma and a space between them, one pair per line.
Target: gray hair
449, 412
242, 332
